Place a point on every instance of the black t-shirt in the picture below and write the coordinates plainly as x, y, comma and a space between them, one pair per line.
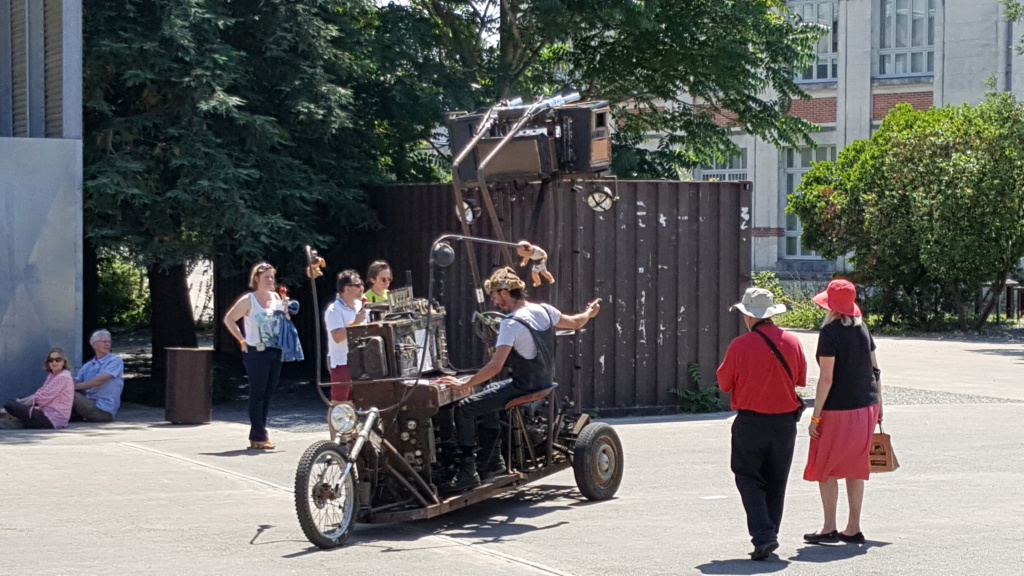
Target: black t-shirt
853, 381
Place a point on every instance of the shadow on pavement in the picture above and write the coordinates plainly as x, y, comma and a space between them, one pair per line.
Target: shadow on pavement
239, 452
487, 522
500, 517
744, 566
819, 553
369, 536
1008, 352
810, 553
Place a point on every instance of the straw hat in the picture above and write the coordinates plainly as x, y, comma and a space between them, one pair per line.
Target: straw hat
758, 303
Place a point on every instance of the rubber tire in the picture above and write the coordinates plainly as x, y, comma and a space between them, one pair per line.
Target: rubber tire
303, 500
597, 461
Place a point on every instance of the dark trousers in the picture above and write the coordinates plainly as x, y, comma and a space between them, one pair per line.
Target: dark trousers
264, 371
762, 452
85, 409
20, 411
488, 404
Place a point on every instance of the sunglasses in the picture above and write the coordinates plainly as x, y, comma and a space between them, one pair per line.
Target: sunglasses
55, 360
356, 284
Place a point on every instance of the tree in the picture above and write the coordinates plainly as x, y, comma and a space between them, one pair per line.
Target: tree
220, 130
932, 203
688, 69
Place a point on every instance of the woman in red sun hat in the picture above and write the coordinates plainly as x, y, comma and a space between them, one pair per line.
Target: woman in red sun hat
847, 405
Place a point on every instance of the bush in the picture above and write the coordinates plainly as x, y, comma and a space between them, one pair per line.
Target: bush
801, 311
703, 399
123, 293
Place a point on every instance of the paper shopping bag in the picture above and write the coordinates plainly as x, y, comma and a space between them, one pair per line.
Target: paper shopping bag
881, 457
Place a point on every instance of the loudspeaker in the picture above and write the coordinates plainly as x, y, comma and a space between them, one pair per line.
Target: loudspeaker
585, 146
571, 139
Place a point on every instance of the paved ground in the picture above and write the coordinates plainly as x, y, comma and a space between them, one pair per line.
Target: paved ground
144, 497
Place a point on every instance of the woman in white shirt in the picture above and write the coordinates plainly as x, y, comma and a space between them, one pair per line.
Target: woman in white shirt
261, 312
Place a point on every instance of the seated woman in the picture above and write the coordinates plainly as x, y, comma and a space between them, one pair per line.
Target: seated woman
50, 406
378, 277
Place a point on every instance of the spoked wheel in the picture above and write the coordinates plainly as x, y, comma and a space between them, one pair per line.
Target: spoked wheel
597, 461
325, 504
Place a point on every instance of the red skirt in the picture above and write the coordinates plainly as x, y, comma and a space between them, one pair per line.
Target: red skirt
841, 451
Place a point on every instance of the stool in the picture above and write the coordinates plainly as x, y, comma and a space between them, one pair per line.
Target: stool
517, 425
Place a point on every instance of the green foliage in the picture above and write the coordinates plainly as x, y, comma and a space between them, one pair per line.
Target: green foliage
929, 208
123, 295
695, 373
770, 281
702, 400
803, 314
651, 60
239, 128
801, 311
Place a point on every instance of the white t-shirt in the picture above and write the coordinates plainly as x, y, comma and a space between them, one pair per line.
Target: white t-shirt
339, 315
513, 333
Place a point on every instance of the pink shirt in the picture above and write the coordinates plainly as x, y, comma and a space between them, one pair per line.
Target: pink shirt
55, 397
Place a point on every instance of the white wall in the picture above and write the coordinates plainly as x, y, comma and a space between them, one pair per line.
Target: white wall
967, 50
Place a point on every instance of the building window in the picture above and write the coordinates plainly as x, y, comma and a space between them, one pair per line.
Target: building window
798, 162
826, 15
906, 38
734, 169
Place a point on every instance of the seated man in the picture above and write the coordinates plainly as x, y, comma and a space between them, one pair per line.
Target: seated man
526, 345
102, 380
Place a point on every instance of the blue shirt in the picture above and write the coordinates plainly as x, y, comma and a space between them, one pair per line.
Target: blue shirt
107, 396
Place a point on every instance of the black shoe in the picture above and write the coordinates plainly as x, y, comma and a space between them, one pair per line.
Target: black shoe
490, 467
763, 551
460, 483
826, 538
467, 478
857, 538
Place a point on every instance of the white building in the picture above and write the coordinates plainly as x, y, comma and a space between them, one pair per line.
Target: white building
877, 54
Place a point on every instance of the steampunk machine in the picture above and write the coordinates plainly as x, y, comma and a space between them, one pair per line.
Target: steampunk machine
391, 448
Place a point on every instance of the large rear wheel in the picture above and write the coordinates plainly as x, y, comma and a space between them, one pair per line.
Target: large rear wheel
597, 461
325, 503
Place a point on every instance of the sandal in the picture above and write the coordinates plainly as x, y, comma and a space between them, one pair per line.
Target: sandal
265, 445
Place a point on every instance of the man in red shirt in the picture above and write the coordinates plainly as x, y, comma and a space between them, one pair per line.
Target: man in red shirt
762, 369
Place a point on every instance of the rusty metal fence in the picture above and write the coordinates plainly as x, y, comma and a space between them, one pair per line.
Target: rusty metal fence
668, 258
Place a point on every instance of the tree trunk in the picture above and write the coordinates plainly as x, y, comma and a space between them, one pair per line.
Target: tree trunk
992, 302
958, 303
90, 296
170, 320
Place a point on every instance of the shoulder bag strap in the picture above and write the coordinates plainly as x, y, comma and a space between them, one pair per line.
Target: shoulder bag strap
775, 350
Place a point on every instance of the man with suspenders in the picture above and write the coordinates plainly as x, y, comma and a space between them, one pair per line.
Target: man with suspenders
526, 346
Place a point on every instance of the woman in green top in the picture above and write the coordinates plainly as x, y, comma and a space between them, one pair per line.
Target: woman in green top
378, 278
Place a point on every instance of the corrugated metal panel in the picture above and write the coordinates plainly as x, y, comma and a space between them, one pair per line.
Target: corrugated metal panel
5, 69
36, 68
19, 67
668, 260
54, 67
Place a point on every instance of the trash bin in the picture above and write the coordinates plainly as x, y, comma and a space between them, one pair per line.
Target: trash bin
189, 397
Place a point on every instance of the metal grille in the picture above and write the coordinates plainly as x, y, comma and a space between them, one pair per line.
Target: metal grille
19, 67
54, 67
